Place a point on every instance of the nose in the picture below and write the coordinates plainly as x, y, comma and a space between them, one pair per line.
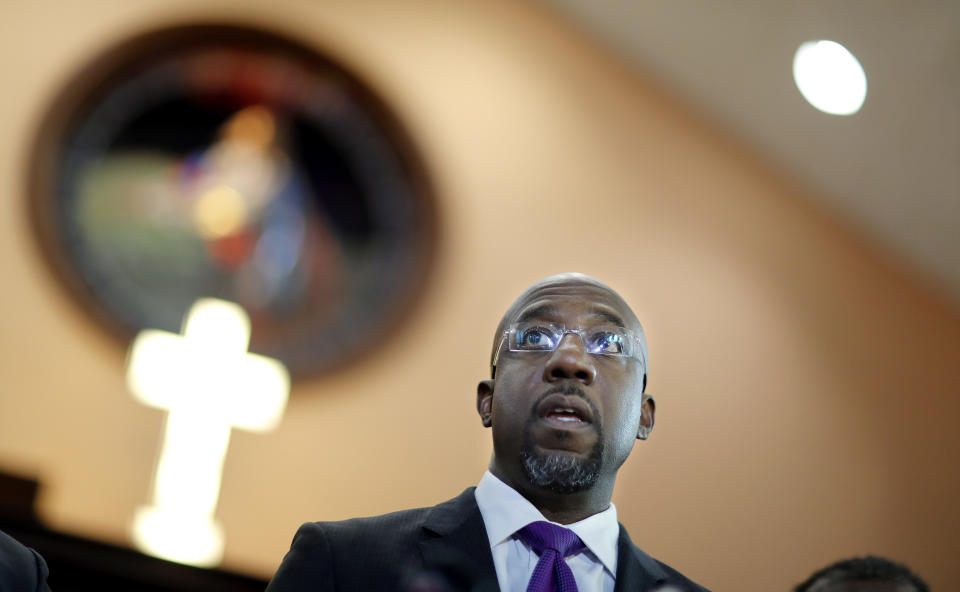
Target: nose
570, 361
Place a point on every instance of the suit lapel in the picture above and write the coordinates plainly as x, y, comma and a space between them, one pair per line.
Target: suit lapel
454, 541
636, 571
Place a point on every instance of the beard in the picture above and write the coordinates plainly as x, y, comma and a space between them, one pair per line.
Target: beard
561, 473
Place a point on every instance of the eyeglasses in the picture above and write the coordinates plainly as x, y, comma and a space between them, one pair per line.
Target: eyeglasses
600, 340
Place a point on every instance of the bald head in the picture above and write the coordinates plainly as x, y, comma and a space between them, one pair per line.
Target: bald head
569, 284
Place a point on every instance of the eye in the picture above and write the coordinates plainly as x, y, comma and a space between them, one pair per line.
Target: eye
535, 337
607, 342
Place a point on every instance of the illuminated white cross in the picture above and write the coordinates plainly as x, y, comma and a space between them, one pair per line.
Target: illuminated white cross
209, 384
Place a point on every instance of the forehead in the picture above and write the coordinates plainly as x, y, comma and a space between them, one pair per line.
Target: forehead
571, 308
572, 300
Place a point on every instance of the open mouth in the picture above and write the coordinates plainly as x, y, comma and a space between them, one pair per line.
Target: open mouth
565, 411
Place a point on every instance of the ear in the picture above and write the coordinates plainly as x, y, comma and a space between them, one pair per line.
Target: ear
647, 411
485, 402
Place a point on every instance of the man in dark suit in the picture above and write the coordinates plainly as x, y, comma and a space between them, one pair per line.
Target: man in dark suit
566, 403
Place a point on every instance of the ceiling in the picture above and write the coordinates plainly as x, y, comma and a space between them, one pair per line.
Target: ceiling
892, 169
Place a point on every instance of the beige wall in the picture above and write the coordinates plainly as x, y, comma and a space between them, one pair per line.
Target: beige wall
807, 388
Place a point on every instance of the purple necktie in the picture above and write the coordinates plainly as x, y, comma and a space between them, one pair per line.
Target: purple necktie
552, 543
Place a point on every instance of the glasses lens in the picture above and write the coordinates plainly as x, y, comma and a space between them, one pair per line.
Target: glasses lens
534, 337
613, 341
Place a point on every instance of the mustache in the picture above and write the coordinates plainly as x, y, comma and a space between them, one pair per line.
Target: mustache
564, 389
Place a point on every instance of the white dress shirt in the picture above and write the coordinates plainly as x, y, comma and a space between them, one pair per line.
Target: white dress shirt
505, 512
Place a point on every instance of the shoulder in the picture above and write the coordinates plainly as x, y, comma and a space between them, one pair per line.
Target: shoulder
359, 553
367, 533
21, 568
356, 554
394, 521
680, 582
663, 574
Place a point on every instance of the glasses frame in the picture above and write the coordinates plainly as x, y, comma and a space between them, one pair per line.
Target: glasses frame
634, 341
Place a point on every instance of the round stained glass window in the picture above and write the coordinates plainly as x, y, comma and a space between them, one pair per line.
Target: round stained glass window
233, 163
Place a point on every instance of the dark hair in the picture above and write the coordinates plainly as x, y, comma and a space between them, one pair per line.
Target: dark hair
860, 569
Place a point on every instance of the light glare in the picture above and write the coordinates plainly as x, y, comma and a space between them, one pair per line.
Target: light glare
177, 536
829, 77
209, 384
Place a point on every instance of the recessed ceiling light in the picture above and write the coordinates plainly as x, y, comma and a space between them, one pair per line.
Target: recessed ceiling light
829, 77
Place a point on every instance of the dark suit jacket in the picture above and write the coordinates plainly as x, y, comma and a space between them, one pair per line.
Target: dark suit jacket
387, 552
21, 568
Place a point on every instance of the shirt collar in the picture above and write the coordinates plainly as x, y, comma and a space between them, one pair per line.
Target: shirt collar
505, 512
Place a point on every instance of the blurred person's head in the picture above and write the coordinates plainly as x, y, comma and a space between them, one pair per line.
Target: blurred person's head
864, 574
